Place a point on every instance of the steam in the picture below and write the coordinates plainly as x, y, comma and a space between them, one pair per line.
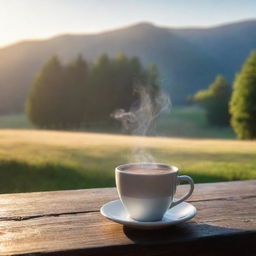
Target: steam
140, 118
142, 113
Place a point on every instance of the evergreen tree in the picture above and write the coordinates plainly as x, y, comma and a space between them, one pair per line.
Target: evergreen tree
45, 101
114, 82
57, 98
215, 101
129, 76
74, 95
100, 90
74, 90
153, 81
243, 101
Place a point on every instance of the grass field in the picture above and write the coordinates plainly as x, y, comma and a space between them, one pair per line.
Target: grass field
37, 160
189, 122
15, 121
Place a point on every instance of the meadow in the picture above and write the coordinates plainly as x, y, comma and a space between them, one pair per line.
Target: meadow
39, 160
188, 122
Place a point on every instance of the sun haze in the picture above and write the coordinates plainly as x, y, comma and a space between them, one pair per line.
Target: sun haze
27, 19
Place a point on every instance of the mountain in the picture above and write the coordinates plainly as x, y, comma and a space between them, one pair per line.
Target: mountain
188, 59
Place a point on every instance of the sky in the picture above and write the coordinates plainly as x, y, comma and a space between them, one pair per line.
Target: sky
33, 19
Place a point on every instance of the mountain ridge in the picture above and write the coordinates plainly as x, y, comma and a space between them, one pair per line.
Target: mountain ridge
188, 58
128, 26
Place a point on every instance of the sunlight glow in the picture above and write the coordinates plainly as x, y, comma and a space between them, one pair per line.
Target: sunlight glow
24, 19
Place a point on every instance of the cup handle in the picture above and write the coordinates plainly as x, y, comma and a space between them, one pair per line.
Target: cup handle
191, 182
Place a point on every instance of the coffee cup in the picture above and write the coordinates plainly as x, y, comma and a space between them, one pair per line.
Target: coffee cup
147, 189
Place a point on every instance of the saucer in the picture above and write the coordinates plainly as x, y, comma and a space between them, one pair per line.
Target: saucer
116, 212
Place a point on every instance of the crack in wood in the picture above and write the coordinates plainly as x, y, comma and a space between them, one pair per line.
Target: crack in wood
224, 199
20, 218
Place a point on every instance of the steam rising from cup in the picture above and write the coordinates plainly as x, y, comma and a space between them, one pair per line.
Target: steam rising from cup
141, 115
139, 119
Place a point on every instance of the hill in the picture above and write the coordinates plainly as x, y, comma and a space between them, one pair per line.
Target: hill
188, 59
49, 160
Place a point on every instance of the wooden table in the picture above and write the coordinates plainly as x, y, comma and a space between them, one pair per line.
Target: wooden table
69, 223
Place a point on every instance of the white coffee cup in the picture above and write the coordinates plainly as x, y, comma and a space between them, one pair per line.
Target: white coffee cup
146, 196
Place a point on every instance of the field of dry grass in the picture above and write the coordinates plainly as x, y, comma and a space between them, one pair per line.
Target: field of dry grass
36, 160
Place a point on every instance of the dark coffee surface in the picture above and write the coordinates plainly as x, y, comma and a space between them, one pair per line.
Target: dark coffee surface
147, 170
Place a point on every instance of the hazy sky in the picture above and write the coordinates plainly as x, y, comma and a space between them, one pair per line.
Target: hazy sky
21, 19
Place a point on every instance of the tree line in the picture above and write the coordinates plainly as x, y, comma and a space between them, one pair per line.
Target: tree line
236, 106
81, 94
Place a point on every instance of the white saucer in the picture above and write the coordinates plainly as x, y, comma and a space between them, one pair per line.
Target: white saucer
115, 211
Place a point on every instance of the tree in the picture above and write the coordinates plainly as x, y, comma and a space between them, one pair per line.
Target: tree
152, 81
101, 92
73, 95
58, 94
74, 91
114, 83
45, 101
215, 101
243, 100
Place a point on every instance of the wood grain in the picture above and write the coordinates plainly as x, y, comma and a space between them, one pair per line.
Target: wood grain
69, 223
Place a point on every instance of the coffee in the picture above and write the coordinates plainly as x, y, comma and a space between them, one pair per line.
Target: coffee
147, 189
147, 169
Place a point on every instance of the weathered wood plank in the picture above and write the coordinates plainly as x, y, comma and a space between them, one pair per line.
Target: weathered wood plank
23, 205
91, 230
226, 222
